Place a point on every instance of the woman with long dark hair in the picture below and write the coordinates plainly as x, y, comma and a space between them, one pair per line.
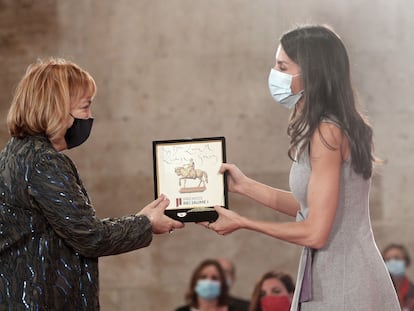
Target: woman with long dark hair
332, 151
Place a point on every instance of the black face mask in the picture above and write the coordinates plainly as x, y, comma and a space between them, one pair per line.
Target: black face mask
79, 132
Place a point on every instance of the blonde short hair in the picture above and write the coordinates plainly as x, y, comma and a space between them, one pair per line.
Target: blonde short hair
42, 99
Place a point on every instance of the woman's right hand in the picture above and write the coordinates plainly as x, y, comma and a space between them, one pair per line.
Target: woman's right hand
235, 177
159, 221
227, 221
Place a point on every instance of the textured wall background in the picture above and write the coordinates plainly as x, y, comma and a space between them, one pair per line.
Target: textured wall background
185, 68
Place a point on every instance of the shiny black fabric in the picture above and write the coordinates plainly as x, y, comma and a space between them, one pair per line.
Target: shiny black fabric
50, 238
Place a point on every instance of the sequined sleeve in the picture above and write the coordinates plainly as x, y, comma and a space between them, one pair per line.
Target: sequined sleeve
57, 192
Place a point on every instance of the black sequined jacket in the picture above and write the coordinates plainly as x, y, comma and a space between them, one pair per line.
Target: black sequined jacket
50, 238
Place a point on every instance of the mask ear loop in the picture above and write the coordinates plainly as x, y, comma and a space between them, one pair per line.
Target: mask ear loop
300, 92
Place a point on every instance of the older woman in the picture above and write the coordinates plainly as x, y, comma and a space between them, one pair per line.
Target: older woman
50, 238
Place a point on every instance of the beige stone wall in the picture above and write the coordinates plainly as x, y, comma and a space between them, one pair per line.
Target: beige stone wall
185, 68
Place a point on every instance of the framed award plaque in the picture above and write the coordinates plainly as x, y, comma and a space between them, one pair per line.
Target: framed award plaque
186, 171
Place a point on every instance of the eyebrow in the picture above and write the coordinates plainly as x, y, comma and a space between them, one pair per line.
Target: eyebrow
282, 62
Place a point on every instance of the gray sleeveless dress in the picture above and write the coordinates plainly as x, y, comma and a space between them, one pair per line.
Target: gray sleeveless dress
348, 274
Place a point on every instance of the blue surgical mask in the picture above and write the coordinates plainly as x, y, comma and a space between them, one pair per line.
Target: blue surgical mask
208, 289
396, 267
280, 88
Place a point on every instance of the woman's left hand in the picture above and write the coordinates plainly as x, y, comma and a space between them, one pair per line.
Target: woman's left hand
227, 221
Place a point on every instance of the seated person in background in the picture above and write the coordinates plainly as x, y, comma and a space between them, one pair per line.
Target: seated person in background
208, 290
397, 260
273, 292
230, 271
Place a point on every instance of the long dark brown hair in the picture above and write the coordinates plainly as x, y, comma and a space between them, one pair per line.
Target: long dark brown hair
191, 296
324, 64
286, 280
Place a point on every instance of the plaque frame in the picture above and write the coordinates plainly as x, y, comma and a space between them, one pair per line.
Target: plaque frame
187, 172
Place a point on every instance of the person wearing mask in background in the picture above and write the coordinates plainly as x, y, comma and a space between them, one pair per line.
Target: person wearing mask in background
272, 292
208, 290
50, 238
229, 269
397, 259
331, 146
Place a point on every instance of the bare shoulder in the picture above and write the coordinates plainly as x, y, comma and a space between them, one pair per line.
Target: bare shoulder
331, 133
329, 138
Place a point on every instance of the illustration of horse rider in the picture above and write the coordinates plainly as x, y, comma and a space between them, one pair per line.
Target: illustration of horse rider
190, 167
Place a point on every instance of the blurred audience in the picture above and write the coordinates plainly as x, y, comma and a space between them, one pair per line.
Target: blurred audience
208, 290
273, 292
238, 304
397, 259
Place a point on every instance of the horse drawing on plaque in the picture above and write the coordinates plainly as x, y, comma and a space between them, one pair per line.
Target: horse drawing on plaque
185, 173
